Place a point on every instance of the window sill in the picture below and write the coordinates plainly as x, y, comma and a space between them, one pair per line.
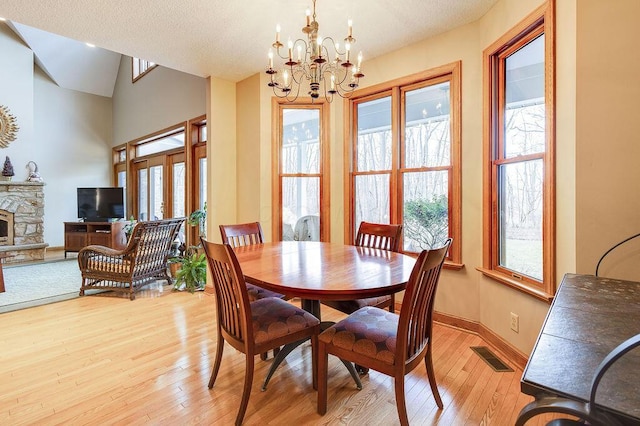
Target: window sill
517, 285
453, 266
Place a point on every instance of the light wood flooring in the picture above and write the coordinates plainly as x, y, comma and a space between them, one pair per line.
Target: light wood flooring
107, 360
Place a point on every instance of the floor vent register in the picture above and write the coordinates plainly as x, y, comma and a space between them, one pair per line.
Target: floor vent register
490, 358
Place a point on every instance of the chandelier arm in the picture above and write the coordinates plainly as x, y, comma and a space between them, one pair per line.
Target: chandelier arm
333, 44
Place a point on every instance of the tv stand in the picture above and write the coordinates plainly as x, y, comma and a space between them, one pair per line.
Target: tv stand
81, 234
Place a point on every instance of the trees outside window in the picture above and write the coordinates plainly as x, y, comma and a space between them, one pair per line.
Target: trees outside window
301, 192
519, 207
405, 158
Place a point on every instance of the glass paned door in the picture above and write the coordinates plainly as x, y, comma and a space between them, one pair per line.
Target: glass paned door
156, 196
143, 194
178, 189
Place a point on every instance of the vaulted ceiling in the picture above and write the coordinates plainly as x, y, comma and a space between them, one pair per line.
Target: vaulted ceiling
225, 39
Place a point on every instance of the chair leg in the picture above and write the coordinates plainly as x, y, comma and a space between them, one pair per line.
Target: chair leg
246, 391
400, 400
323, 359
392, 306
218, 360
428, 362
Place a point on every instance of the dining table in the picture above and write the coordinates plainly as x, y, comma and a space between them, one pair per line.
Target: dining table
315, 271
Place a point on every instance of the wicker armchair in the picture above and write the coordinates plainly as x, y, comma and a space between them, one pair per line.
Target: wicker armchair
143, 261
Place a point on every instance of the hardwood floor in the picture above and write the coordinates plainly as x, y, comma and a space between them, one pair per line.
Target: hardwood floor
108, 360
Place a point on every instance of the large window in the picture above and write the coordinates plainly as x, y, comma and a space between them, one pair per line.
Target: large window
120, 171
301, 209
519, 192
405, 164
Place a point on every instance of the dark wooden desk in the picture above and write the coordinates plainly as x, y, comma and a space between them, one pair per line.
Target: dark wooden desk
589, 317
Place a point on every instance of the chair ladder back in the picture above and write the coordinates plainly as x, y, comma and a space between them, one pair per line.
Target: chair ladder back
379, 236
154, 241
243, 234
415, 323
232, 300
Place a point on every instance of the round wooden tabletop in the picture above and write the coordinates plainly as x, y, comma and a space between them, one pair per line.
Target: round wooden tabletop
324, 271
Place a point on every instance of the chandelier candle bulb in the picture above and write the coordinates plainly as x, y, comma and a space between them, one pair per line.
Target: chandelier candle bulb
290, 45
347, 46
333, 82
359, 60
350, 24
299, 53
270, 59
277, 33
308, 17
320, 46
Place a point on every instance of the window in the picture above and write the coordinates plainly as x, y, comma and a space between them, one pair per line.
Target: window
405, 164
140, 67
159, 175
120, 170
519, 211
197, 197
300, 151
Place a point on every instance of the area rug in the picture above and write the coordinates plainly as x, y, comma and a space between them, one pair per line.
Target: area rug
39, 284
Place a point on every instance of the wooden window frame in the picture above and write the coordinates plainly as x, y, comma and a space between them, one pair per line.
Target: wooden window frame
540, 21
198, 150
396, 89
276, 124
136, 74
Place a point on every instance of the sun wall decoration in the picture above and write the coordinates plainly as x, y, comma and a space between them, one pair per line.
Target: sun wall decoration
8, 127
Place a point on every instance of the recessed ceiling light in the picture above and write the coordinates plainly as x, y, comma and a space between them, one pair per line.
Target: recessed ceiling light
90, 44
2, 19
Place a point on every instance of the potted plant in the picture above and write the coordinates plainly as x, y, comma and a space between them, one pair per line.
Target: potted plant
198, 218
128, 226
192, 274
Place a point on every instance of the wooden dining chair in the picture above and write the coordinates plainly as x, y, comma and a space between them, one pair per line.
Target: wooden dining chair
252, 327
387, 342
245, 234
378, 236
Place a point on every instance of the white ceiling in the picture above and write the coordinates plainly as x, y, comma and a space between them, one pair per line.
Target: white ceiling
230, 39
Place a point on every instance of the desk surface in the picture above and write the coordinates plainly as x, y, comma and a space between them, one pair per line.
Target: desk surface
589, 317
324, 271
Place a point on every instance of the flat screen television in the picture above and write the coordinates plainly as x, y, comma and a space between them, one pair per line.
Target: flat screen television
100, 204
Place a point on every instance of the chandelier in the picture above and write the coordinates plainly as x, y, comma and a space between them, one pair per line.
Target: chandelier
318, 61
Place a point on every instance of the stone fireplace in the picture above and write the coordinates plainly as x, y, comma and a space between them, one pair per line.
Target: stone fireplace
22, 221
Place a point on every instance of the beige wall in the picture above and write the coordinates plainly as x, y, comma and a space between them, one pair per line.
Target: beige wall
162, 98
249, 152
596, 178
222, 156
608, 129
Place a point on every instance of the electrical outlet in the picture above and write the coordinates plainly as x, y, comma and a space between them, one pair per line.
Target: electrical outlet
515, 322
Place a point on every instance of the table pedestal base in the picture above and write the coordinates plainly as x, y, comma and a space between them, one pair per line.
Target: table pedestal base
313, 307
